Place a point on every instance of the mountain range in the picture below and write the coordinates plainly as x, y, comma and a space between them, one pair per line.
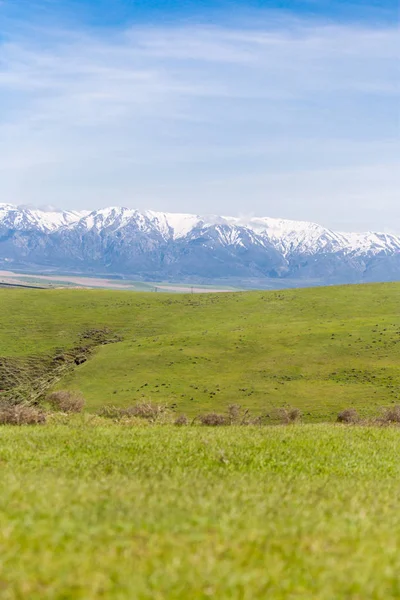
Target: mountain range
155, 246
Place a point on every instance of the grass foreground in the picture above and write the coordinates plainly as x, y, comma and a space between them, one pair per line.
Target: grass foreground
160, 512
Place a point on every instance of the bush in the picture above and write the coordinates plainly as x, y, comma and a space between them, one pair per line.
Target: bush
148, 410
349, 415
234, 413
65, 401
181, 420
109, 411
213, 420
290, 415
143, 410
21, 414
391, 415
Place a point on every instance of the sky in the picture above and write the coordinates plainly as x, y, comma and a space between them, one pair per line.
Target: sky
282, 109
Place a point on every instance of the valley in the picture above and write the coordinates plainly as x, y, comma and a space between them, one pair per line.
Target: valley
321, 350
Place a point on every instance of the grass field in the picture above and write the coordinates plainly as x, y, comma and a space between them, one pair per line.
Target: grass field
320, 349
160, 512
91, 508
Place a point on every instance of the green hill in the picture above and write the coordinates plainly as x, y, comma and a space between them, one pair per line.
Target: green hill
320, 349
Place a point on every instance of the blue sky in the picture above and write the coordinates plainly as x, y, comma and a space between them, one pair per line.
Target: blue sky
117, 13
285, 109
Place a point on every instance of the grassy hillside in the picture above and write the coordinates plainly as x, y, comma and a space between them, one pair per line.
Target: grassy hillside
320, 349
230, 513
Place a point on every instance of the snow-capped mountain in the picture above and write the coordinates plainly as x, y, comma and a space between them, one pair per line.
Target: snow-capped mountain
154, 245
24, 218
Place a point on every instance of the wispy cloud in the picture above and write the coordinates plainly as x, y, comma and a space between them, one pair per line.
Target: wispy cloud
153, 115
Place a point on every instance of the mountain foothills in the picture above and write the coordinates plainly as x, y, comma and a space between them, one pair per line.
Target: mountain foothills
184, 247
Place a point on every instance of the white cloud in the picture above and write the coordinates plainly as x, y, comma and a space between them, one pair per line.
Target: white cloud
158, 115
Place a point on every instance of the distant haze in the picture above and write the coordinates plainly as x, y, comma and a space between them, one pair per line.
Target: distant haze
251, 111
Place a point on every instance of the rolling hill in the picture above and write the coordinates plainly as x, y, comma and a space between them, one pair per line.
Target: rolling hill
320, 349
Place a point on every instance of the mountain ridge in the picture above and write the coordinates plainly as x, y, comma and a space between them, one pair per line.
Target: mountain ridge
154, 245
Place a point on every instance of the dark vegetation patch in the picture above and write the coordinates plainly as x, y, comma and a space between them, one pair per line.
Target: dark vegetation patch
28, 379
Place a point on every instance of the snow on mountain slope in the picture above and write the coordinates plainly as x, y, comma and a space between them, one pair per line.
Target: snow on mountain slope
310, 238
286, 236
177, 225
293, 236
157, 244
371, 243
25, 219
169, 225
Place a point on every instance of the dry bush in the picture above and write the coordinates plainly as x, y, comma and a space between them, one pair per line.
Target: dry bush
290, 415
149, 411
234, 414
143, 410
68, 402
181, 421
391, 415
213, 420
349, 415
21, 414
109, 411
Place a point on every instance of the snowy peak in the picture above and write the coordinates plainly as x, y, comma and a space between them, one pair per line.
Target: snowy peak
23, 218
286, 236
378, 243
168, 225
293, 236
157, 245
174, 225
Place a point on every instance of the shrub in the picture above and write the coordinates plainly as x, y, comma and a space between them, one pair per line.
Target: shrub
148, 411
213, 420
109, 411
391, 415
349, 415
290, 415
234, 414
181, 420
21, 414
143, 410
65, 401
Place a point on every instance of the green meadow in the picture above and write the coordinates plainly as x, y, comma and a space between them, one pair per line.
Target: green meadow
321, 349
161, 512
94, 507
